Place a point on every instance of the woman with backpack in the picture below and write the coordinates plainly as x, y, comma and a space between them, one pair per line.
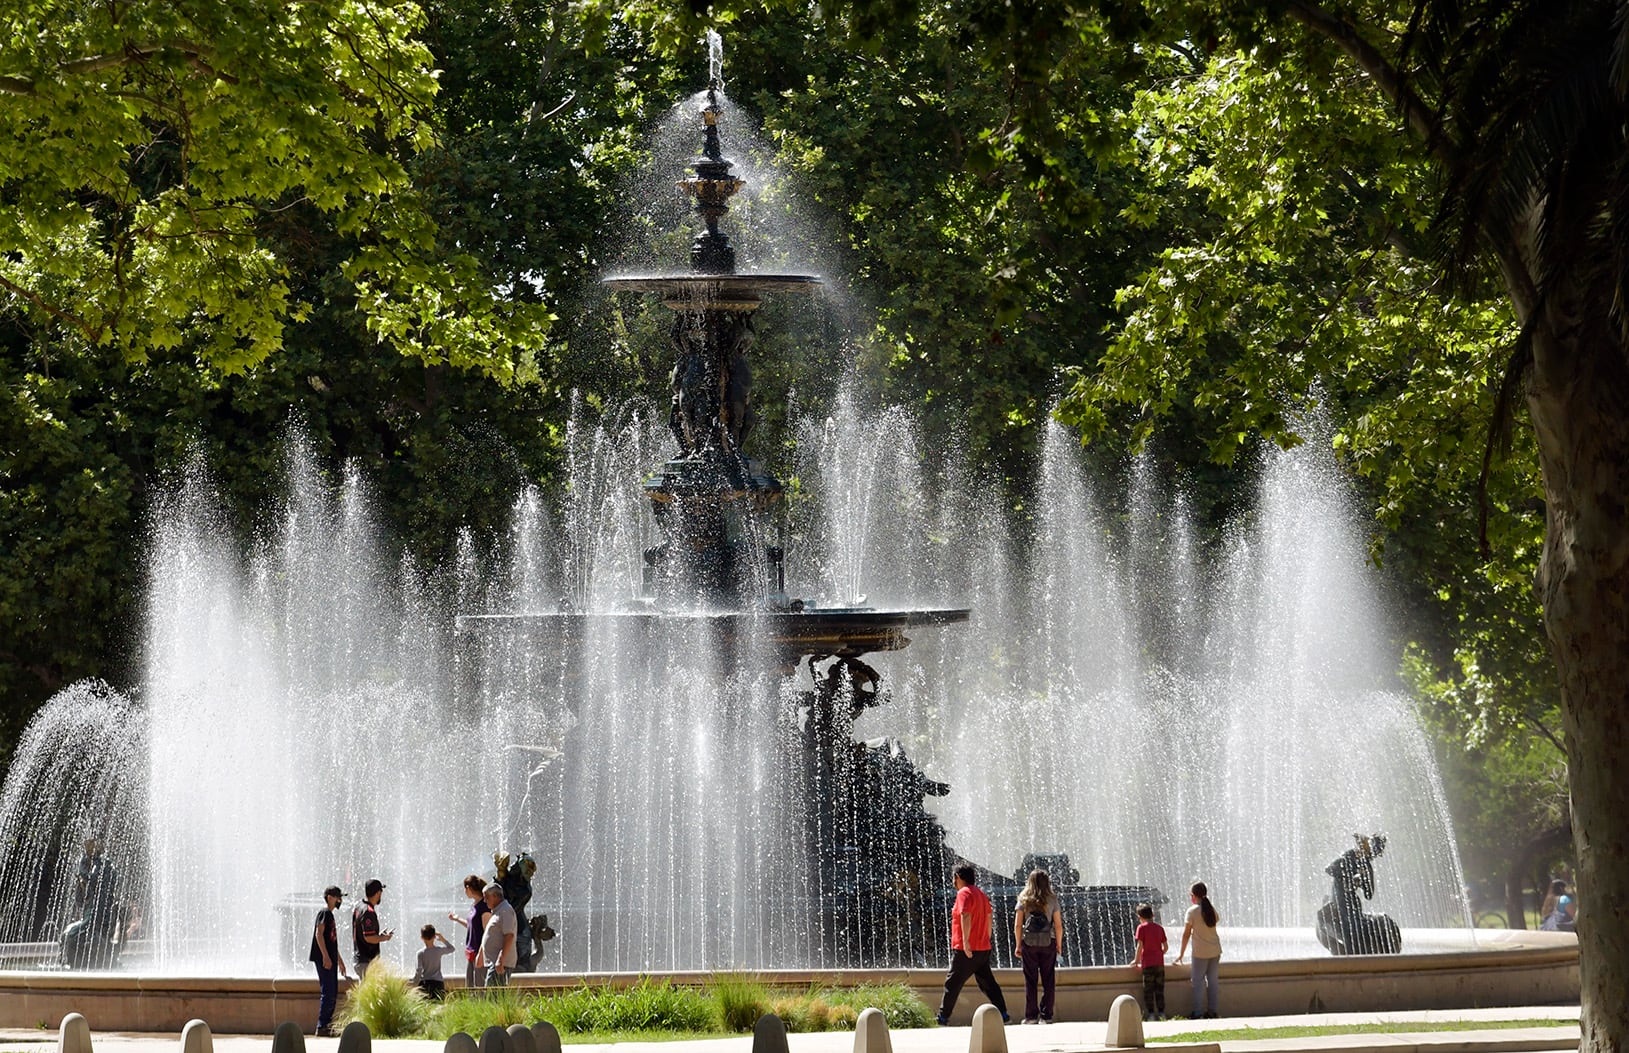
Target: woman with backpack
1038, 932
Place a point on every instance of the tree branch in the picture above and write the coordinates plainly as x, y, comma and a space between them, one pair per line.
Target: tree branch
197, 55
89, 332
1421, 119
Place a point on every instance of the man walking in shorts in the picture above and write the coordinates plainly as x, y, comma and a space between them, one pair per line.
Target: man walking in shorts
971, 920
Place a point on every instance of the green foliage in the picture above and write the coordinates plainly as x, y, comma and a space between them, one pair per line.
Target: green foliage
387, 1003
730, 1003
823, 1008
649, 1005
472, 1012
134, 215
741, 1001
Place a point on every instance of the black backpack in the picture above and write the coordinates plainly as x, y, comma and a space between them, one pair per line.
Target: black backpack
1037, 929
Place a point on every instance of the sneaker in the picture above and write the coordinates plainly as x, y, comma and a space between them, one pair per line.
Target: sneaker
1046, 1020
1030, 1020
942, 1021
1005, 1019
324, 1032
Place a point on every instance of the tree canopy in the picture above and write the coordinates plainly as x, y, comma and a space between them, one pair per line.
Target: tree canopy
1176, 223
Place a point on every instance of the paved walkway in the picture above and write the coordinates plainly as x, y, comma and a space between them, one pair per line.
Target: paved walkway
1073, 1037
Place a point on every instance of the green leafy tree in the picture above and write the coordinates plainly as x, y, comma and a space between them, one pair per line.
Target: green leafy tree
148, 148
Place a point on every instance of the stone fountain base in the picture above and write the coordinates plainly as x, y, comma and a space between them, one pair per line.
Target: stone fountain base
1504, 969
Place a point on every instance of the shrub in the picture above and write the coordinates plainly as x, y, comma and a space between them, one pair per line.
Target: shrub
741, 1001
899, 1004
387, 1003
472, 1012
646, 1006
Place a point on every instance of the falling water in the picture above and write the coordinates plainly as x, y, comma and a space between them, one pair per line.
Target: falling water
1159, 711
1165, 717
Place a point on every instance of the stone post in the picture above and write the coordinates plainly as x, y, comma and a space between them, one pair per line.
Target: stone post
871, 1033
288, 1038
989, 1036
1125, 1024
195, 1038
74, 1035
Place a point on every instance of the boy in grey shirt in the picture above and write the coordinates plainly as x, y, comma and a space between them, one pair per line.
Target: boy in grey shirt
427, 976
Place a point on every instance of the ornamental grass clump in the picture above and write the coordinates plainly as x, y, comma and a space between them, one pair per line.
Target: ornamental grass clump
646, 1006
741, 1001
472, 1012
387, 1003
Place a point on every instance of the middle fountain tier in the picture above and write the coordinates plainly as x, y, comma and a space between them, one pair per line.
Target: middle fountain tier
874, 887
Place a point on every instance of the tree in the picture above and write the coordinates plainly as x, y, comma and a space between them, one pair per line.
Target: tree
136, 215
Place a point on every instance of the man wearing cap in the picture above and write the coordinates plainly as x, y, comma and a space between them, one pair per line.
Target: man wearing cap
365, 933
498, 942
325, 953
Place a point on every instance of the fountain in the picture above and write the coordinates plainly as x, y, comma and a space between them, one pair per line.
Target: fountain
709, 772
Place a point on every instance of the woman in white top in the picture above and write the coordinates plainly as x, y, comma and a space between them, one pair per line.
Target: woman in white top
1207, 948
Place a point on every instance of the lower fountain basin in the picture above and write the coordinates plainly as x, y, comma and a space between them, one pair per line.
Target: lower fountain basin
1462, 970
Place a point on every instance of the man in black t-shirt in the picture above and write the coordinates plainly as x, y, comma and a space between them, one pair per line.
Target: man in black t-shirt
325, 954
366, 935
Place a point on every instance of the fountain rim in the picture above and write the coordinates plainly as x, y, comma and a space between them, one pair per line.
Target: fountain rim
714, 286
820, 630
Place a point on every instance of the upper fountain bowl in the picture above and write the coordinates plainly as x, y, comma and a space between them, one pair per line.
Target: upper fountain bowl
709, 290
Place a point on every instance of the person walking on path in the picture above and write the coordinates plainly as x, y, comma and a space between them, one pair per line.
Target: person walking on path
971, 920
474, 928
1150, 958
497, 954
1037, 932
1207, 949
366, 936
325, 954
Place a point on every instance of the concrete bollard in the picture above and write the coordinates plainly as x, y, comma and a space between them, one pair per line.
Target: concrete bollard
195, 1038
459, 1042
518, 1039
769, 1035
494, 1040
74, 1035
1125, 1024
288, 1038
871, 1033
356, 1038
545, 1037
989, 1036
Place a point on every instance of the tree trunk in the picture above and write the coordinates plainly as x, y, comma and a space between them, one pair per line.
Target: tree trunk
1579, 400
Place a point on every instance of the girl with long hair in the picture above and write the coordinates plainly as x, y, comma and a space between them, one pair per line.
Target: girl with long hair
1207, 949
1037, 931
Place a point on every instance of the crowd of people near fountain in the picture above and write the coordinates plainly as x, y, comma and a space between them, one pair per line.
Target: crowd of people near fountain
498, 937
1038, 939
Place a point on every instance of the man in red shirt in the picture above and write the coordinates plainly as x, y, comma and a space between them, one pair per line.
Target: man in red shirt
971, 920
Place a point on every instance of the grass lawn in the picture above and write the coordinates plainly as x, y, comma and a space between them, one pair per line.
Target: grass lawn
1400, 1027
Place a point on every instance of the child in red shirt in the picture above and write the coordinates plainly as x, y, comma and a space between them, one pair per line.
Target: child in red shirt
1151, 948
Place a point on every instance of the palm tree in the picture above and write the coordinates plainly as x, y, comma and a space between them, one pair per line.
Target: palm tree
1522, 105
